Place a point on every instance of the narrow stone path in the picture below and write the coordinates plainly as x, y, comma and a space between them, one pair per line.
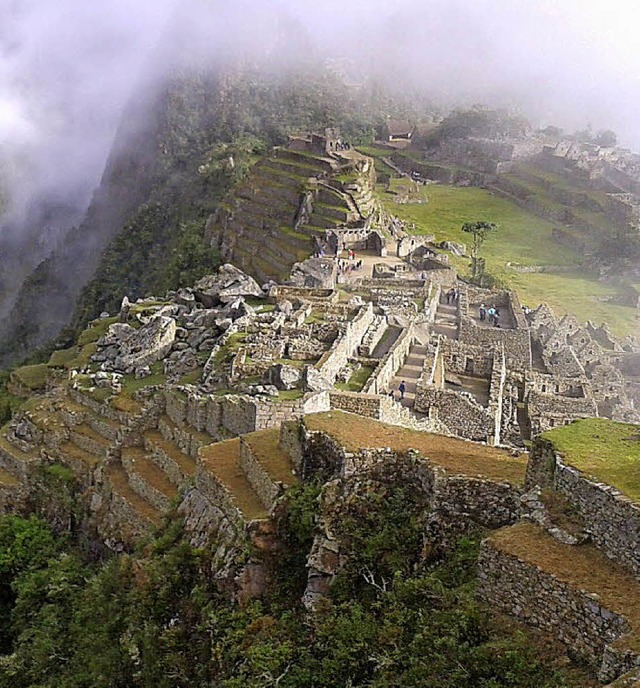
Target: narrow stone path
410, 373
387, 340
446, 320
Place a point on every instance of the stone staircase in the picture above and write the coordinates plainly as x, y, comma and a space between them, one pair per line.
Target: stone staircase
410, 373
446, 320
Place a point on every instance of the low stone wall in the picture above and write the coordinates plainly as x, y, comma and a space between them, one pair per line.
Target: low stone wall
613, 519
432, 301
517, 343
373, 335
458, 411
345, 346
368, 405
271, 414
538, 598
267, 490
393, 360
291, 293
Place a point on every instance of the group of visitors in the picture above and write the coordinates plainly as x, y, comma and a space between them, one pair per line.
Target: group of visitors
453, 296
349, 266
491, 314
342, 145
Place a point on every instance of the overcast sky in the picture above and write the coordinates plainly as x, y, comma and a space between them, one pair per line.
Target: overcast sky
67, 67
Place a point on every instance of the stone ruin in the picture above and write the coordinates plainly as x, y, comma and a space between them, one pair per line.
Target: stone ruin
206, 399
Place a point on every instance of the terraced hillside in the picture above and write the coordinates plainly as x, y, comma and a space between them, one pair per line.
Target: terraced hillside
582, 215
289, 199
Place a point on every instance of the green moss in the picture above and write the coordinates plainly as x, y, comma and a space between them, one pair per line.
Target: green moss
33, 377
100, 394
191, 378
357, 381
290, 395
97, 329
604, 450
157, 377
63, 358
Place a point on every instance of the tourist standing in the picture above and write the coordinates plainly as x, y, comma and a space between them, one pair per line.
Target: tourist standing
402, 388
483, 311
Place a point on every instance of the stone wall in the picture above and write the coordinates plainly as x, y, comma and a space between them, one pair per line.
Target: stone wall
367, 405
334, 360
548, 411
517, 343
538, 598
280, 292
234, 415
452, 505
612, 518
456, 355
389, 365
458, 411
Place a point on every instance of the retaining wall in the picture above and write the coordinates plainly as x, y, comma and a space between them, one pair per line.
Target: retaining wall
613, 520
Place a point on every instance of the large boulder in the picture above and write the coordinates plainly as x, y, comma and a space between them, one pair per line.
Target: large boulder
225, 287
138, 348
314, 381
284, 376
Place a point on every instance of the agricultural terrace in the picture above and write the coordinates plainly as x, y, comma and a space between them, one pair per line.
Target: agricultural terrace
456, 456
604, 450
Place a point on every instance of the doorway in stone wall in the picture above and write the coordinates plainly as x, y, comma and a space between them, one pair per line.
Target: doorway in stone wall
468, 366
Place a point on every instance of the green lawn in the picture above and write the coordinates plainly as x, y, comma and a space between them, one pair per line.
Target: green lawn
521, 238
604, 450
357, 381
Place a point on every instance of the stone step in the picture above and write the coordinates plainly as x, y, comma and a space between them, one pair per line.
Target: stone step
130, 508
187, 439
265, 174
301, 170
147, 479
87, 439
446, 331
176, 464
105, 427
266, 465
222, 462
410, 385
14, 460
81, 462
447, 308
419, 350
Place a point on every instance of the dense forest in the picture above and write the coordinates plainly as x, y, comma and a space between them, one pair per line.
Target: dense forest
398, 614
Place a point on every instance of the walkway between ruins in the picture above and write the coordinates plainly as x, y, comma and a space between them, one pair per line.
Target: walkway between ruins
369, 259
410, 373
446, 320
387, 340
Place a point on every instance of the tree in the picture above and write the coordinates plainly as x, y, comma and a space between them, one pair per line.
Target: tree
480, 231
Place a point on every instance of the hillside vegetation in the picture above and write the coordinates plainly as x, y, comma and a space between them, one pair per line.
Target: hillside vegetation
155, 618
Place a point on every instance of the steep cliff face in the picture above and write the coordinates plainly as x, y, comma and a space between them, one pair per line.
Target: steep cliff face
144, 231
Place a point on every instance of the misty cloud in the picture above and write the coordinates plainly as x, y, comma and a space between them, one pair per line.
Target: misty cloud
67, 68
